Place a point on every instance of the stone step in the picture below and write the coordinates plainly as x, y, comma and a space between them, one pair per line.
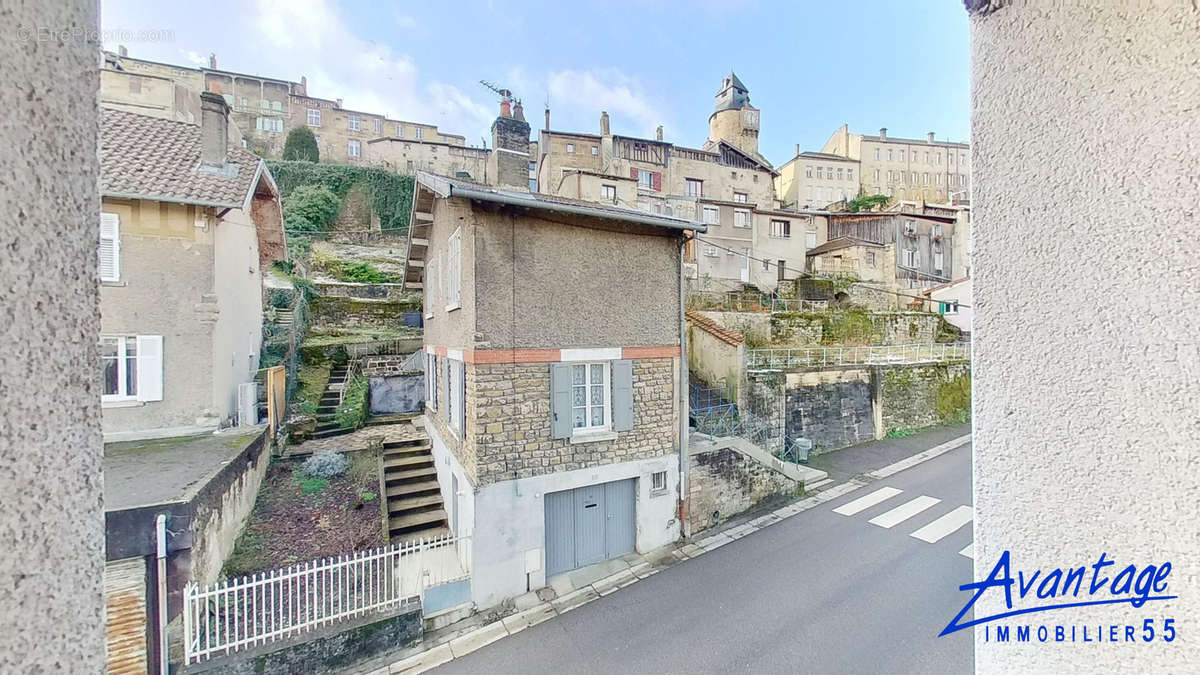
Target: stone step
407, 443
401, 506
406, 451
422, 487
409, 475
425, 519
330, 432
406, 463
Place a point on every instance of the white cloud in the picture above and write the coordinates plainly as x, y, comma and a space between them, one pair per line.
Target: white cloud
195, 58
587, 92
405, 21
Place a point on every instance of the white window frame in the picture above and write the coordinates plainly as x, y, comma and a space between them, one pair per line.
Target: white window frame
590, 428
810, 240
849, 174
430, 276
648, 183
658, 482
711, 252
715, 213
354, 122
123, 344
314, 117
808, 172
455, 400
609, 192
741, 197
595, 151
354, 148
431, 366
745, 217
454, 271
399, 130
570, 148
909, 258
781, 229
112, 222
148, 380
690, 183
378, 125
420, 133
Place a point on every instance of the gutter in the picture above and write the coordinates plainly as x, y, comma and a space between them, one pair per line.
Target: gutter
684, 529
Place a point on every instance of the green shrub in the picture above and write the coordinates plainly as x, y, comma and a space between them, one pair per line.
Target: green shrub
364, 272
326, 465
390, 193
353, 410
279, 298
298, 247
301, 145
311, 208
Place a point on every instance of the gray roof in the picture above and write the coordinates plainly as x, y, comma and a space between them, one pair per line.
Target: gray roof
151, 158
444, 186
733, 95
841, 242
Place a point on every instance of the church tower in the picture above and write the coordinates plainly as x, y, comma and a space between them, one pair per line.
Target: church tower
735, 121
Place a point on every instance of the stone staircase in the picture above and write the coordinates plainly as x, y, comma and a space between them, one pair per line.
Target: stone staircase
414, 500
327, 408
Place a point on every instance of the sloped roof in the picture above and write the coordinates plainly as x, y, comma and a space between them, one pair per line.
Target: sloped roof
841, 242
713, 328
145, 157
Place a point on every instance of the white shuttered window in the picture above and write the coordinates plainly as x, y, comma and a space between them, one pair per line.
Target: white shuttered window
110, 247
454, 269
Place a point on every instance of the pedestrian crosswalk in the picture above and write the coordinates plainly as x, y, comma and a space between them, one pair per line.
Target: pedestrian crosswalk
909, 511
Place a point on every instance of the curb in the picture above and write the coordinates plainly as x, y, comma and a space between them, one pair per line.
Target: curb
512, 624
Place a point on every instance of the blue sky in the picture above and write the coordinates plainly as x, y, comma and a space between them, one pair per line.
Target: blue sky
810, 66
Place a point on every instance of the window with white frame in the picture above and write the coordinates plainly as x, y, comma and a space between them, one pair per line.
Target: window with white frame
453, 269
595, 151
877, 154
590, 399
712, 215
741, 218
658, 481
781, 229
354, 148
277, 106
570, 148
820, 172
378, 125
430, 276
110, 247
810, 239
431, 370
849, 174
355, 122
889, 154
926, 178
901, 155
645, 179
131, 368
908, 257
420, 133
609, 192
711, 252
270, 124
455, 376
937, 261
808, 172
876, 176
740, 197
400, 130
693, 187
314, 117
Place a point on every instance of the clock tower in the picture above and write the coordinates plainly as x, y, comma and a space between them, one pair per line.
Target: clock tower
735, 121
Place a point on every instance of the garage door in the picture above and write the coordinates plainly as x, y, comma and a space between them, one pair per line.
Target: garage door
589, 524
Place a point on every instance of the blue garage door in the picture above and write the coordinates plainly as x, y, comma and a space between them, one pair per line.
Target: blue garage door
589, 524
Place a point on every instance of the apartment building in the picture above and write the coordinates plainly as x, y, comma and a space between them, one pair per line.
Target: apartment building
815, 180
924, 243
556, 440
264, 109
905, 168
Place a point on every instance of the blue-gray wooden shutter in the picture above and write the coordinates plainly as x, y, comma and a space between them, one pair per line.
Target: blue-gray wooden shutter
622, 395
560, 400
462, 396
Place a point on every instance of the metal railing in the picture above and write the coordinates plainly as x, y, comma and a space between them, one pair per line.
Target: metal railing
354, 370
714, 412
750, 302
231, 615
357, 350
815, 357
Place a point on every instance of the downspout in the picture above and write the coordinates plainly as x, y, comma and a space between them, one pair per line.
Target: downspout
160, 524
684, 529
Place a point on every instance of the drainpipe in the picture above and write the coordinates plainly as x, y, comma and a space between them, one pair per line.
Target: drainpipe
160, 523
684, 529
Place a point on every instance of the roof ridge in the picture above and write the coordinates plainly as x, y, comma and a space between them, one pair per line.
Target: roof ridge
715, 329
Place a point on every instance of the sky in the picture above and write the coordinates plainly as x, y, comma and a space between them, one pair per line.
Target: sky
810, 66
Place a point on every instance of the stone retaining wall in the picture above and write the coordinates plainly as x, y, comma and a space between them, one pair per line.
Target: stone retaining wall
723, 483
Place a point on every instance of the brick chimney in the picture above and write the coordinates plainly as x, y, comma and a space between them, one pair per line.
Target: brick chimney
214, 129
883, 133
303, 85
658, 133
212, 61
547, 118
519, 112
604, 124
508, 163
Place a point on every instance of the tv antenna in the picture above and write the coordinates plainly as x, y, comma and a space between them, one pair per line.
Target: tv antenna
505, 94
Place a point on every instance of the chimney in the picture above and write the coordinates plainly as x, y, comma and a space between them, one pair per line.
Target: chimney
303, 85
505, 108
883, 133
658, 133
121, 51
339, 103
604, 124
547, 118
212, 61
510, 153
930, 137
797, 149
214, 129
519, 112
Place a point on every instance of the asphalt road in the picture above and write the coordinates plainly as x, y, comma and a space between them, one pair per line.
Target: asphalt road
820, 592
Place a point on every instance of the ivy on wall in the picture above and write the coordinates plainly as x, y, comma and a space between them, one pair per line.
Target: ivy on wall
390, 193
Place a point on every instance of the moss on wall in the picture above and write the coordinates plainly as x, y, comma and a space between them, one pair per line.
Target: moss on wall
923, 396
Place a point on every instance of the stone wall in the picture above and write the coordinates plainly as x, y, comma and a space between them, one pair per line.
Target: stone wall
365, 291
383, 365
855, 327
922, 396
833, 408
723, 483
221, 509
330, 312
755, 327
508, 420
397, 394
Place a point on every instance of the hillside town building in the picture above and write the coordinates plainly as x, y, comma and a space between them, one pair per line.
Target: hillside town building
905, 168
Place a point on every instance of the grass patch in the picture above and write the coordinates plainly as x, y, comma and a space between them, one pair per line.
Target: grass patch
353, 411
313, 380
900, 433
311, 486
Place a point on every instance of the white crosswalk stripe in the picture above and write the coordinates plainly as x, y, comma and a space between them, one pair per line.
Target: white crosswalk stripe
945, 525
866, 502
969, 551
904, 511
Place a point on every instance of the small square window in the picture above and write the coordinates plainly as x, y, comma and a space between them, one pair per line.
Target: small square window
571, 148
595, 151
739, 197
658, 481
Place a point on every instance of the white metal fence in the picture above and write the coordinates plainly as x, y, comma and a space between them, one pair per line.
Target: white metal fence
236, 614
356, 350
816, 357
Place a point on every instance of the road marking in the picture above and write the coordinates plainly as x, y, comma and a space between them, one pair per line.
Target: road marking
969, 551
945, 525
916, 459
904, 511
821, 483
851, 508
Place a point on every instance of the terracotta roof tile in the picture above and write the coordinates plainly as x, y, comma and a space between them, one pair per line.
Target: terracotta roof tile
153, 158
713, 328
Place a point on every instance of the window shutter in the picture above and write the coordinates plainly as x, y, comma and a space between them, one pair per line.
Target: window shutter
149, 368
560, 400
110, 247
461, 393
622, 395
657, 181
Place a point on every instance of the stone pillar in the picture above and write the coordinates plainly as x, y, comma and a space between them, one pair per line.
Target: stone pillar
52, 525
1084, 155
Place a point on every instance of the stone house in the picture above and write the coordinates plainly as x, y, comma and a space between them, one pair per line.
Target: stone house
556, 437
905, 168
924, 243
853, 258
187, 225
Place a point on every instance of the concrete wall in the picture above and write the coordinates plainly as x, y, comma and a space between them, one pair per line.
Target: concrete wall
51, 524
1087, 94
713, 360
454, 328
221, 509
723, 483
237, 335
397, 394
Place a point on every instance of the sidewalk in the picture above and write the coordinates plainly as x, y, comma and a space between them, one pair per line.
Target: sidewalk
856, 460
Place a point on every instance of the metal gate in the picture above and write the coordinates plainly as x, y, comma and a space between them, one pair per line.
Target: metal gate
589, 524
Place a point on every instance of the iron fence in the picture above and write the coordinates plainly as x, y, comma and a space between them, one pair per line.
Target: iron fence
817, 357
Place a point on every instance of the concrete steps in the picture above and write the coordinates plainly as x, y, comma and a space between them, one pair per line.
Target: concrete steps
414, 498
